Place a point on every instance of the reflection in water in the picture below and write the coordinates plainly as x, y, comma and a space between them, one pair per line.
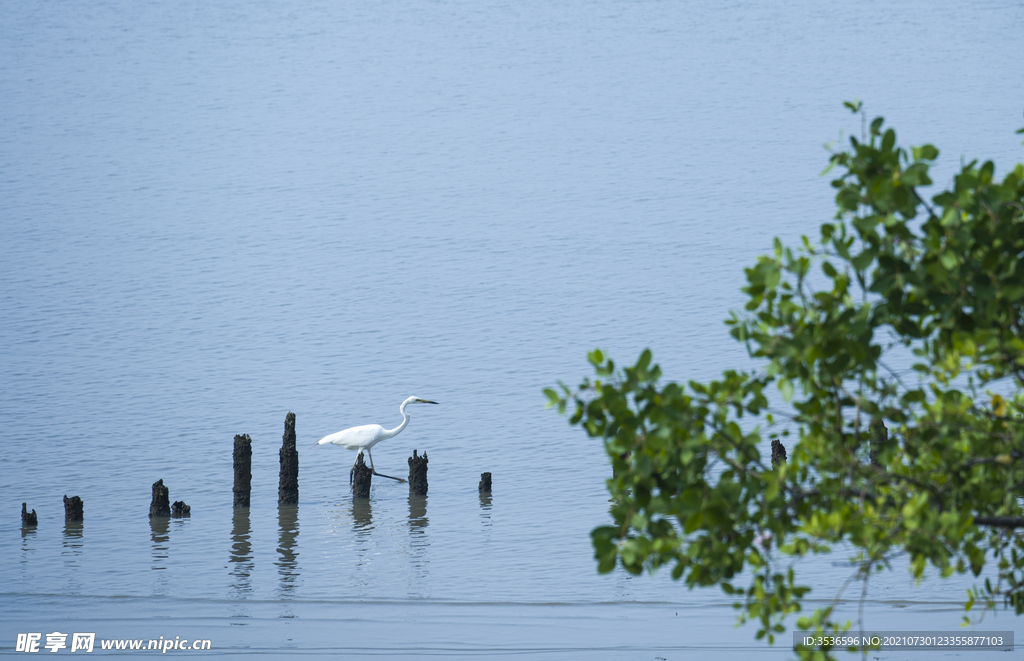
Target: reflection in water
288, 530
158, 535
241, 557
362, 525
158, 526
417, 514
71, 554
28, 547
28, 539
419, 542
485, 510
362, 518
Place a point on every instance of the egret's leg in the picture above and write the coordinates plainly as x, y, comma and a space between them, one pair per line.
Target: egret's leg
374, 470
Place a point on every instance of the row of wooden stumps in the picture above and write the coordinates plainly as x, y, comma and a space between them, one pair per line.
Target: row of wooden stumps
288, 480
73, 511
362, 476
288, 483
160, 505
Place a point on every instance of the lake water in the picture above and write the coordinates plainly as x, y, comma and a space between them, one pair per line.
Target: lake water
214, 214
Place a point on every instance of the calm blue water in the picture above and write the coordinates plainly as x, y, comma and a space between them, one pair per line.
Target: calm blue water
213, 215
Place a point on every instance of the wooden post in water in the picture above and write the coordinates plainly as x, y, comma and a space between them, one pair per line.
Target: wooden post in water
73, 509
361, 478
778, 453
160, 505
180, 510
485, 483
28, 520
243, 469
418, 474
288, 485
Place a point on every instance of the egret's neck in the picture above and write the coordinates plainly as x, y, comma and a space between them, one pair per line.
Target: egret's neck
405, 420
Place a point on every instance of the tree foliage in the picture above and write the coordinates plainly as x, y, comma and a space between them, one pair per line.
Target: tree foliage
929, 464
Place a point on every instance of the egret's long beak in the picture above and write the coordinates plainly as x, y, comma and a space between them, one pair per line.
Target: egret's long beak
425, 401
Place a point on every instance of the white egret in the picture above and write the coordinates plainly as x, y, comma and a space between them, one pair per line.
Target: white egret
364, 437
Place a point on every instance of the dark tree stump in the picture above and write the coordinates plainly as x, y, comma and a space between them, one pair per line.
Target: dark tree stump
161, 503
180, 510
288, 485
778, 453
879, 439
485, 483
361, 478
418, 474
73, 509
28, 519
243, 469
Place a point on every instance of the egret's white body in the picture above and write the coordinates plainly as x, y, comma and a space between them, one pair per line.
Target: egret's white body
364, 437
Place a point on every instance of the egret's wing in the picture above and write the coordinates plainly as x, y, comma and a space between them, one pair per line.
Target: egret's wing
353, 438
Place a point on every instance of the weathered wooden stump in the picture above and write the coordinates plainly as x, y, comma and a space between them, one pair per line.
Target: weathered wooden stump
485, 483
288, 485
778, 453
361, 478
28, 519
243, 469
180, 510
879, 439
73, 509
418, 474
160, 505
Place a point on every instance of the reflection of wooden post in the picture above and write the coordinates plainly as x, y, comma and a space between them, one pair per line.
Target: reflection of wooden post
243, 469
418, 474
879, 439
778, 453
287, 562
485, 483
161, 503
73, 509
288, 485
361, 478
28, 520
417, 513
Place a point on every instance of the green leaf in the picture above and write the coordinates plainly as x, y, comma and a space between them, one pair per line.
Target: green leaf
645, 361
863, 260
786, 388
888, 140
926, 153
